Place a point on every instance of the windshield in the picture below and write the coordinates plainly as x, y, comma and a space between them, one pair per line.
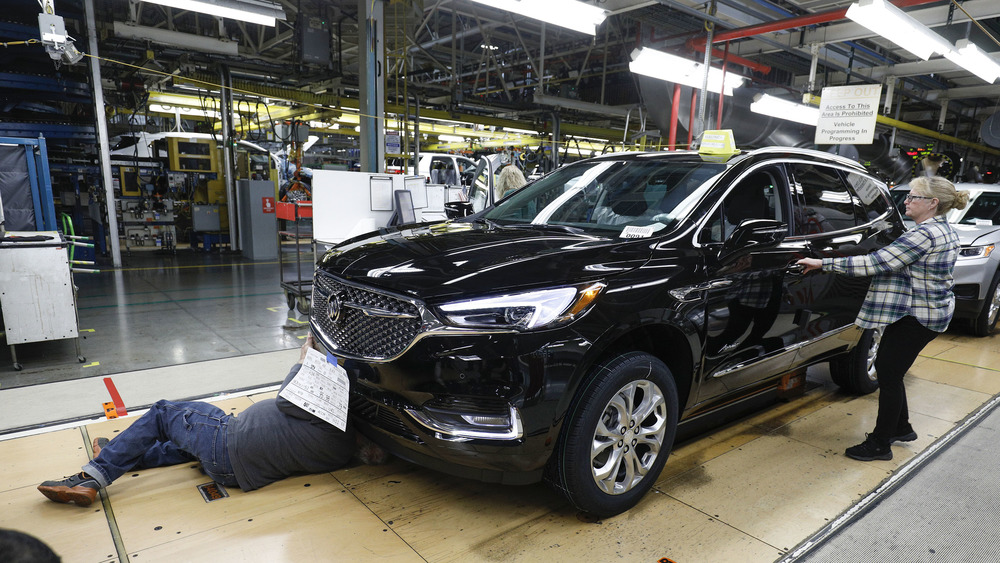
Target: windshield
984, 210
602, 197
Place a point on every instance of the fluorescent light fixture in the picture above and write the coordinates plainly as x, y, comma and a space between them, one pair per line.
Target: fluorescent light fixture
897, 26
261, 12
521, 131
570, 14
451, 139
969, 57
162, 108
679, 70
774, 106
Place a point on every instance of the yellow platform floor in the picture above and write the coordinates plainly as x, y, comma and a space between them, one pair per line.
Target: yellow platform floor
745, 492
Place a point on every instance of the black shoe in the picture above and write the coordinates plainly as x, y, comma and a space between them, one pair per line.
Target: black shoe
80, 489
904, 435
869, 450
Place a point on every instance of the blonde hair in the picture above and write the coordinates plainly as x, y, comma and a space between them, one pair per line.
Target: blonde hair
942, 190
509, 179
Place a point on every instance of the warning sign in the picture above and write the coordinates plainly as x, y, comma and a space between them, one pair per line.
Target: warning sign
847, 115
268, 204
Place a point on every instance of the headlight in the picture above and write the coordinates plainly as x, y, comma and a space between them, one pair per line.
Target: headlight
976, 251
522, 311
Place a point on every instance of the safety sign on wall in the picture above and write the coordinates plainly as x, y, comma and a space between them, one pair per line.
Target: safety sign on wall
268, 204
847, 114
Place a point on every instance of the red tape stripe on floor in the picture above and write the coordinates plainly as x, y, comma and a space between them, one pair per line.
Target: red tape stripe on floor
113, 391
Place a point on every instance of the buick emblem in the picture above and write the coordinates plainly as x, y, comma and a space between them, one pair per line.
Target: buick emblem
333, 308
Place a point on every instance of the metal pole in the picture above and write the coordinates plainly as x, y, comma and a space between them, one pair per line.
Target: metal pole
102, 135
703, 98
232, 195
674, 110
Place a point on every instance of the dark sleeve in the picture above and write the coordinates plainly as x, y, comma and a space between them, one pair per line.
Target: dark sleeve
290, 409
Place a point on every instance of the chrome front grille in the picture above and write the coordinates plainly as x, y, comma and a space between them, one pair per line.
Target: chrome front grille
360, 322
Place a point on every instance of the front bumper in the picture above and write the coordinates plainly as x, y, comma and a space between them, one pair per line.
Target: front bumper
972, 283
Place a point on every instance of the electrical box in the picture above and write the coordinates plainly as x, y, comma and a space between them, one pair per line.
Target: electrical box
192, 155
258, 219
314, 42
205, 218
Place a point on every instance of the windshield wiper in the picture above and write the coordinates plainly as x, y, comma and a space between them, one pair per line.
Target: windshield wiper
546, 227
490, 224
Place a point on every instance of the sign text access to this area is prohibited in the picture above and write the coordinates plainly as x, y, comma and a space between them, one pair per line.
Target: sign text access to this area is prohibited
847, 114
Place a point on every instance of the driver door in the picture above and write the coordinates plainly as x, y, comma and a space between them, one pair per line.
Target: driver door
748, 320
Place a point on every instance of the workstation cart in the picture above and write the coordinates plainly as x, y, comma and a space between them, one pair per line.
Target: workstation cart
37, 294
298, 227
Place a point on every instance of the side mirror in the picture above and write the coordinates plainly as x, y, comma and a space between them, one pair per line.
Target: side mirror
457, 209
755, 232
468, 176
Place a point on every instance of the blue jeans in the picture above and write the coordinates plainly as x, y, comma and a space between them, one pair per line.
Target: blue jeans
169, 434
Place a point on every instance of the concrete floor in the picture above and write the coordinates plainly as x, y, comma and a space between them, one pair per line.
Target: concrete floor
746, 492
164, 309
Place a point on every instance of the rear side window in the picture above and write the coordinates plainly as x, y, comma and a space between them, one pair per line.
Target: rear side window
825, 203
871, 194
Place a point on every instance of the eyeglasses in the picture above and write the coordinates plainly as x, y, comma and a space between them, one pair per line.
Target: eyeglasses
911, 197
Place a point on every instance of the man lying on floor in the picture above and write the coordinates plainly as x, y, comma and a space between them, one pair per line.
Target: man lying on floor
269, 441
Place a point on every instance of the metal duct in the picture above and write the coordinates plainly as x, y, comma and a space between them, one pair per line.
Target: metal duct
990, 131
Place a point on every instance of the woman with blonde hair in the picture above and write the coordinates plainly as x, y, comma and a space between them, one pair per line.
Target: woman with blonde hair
910, 298
509, 179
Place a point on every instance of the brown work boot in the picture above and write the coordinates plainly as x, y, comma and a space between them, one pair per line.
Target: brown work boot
99, 444
80, 489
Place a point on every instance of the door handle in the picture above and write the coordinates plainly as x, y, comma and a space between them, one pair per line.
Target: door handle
795, 269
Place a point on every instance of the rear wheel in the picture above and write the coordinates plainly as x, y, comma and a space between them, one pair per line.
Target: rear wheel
617, 435
855, 372
986, 321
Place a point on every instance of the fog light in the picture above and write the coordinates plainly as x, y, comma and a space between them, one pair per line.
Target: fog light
461, 426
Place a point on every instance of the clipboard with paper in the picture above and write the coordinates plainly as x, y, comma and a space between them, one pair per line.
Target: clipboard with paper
320, 388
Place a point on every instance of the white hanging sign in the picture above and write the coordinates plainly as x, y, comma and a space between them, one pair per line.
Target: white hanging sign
847, 114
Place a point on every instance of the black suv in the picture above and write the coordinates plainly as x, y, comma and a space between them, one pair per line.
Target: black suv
566, 331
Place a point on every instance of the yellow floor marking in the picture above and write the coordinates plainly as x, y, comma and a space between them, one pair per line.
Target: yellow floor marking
298, 321
92, 364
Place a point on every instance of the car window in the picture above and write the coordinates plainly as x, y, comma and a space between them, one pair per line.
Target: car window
870, 193
479, 192
985, 210
758, 195
605, 196
826, 203
464, 164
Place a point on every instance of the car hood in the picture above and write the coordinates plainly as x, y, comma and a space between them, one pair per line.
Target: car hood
444, 260
971, 235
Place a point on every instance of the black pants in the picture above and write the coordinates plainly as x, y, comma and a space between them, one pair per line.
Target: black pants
901, 342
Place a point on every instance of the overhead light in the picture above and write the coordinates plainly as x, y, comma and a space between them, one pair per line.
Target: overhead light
774, 106
899, 27
570, 14
163, 108
969, 57
260, 12
679, 70
521, 131
451, 139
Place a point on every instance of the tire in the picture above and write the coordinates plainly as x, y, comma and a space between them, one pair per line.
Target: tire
855, 372
303, 305
290, 300
986, 321
604, 415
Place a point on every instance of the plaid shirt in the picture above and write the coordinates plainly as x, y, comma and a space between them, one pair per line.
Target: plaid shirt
912, 276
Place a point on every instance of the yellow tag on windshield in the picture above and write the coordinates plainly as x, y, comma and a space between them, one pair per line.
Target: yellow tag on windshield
717, 145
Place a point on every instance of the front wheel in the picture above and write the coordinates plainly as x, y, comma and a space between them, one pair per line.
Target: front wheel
617, 435
986, 321
855, 372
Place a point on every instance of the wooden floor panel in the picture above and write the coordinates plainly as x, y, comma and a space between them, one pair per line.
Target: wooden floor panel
747, 491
